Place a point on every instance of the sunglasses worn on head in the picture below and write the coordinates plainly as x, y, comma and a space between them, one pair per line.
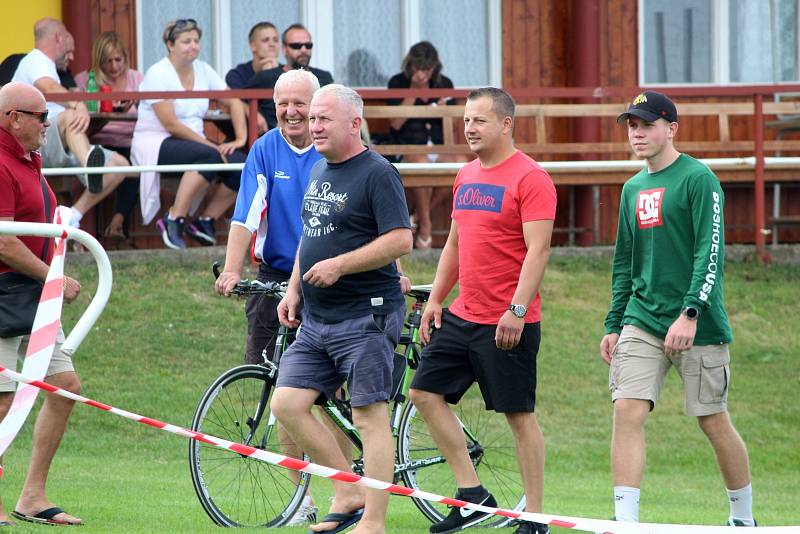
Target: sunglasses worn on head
40, 115
181, 24
298, 46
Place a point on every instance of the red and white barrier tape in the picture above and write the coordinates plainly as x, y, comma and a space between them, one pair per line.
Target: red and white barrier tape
575, 523
41, 342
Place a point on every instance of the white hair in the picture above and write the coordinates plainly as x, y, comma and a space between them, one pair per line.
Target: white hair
345, 95
297, 76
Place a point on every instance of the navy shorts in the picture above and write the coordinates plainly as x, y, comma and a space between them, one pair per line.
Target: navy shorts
175, 151
461, 352
359, 351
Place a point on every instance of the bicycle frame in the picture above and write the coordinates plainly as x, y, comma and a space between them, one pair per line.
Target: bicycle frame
338, 410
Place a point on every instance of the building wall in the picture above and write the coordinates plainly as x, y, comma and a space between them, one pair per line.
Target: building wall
541, 48
18, 17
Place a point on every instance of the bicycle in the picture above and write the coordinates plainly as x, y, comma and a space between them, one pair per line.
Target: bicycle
235, 490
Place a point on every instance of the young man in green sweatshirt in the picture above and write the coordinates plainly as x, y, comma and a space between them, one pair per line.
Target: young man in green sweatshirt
667, 306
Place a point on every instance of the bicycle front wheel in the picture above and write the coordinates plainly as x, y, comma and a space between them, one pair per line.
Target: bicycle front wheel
490, 445
236, 490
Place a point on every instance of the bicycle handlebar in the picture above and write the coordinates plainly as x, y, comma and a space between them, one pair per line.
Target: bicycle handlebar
253, 287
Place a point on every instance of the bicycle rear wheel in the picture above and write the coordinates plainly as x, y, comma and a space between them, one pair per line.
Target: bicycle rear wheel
489, 443
236, 490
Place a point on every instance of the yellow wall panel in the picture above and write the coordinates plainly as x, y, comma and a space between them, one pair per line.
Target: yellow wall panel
16, 33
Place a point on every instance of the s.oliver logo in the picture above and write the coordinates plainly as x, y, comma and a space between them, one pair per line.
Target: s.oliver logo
648, 208
482, 197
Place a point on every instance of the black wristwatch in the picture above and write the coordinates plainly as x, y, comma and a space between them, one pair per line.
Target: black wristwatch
518, 310
691, 313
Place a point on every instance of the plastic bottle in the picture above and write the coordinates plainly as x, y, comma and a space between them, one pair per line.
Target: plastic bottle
91, 87
106, 106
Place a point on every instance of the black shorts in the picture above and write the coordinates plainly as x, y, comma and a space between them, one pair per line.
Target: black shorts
461, 352
262, 318
175, 151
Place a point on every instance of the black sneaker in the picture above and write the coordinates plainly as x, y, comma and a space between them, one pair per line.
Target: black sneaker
96, 158
202, 230
530, 527
733, 522
461, 518
172, 232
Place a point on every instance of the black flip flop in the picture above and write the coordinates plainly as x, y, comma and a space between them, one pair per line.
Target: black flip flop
45, 517
345, 521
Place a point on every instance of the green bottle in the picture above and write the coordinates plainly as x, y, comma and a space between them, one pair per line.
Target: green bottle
91, 87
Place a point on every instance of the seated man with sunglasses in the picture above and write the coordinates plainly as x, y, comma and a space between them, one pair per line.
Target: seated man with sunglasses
297, 47
67, 144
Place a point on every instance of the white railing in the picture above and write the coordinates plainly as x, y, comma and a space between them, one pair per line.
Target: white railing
717, 164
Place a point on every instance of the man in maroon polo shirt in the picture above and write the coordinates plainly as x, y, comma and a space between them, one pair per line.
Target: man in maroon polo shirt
23, 121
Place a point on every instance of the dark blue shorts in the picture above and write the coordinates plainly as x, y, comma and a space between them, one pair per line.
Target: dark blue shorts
359, 351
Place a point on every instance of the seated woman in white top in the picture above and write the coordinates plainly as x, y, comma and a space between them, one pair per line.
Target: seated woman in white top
171, 132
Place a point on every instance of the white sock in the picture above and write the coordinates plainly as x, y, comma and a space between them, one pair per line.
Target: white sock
75, 218
626, 504
741, 502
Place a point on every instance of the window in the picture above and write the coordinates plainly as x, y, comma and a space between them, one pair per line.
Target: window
362, 42
718, 41
151, 47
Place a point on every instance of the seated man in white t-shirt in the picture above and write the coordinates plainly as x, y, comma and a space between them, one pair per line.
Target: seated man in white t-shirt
66, 142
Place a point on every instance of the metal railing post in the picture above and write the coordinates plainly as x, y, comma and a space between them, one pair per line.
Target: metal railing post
760, 229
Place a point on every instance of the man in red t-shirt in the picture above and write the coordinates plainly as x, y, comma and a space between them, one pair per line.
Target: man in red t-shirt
504, 204
23, 122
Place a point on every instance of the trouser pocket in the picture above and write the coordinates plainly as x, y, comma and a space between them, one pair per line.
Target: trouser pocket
714, 377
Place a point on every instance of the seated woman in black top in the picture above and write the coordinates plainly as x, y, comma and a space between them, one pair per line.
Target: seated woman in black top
421, 70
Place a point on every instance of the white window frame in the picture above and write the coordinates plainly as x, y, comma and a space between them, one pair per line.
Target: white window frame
720, 50
317, 16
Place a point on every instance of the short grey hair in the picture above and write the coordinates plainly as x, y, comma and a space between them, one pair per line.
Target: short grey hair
345, 95
297, 76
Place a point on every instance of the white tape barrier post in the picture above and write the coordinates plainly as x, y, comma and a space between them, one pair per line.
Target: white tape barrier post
95, 308
575, 523
47, 320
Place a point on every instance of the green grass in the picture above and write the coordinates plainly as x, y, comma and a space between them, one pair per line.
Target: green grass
164, 336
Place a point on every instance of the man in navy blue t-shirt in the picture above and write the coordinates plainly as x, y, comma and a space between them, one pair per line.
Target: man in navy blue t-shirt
355, 225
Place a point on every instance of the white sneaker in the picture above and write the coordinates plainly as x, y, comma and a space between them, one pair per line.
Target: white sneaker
306, 514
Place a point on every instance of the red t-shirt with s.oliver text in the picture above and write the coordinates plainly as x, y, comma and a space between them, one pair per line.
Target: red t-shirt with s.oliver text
21, 192
489, 207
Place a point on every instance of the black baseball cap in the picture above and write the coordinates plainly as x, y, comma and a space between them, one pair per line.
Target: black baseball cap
651, 106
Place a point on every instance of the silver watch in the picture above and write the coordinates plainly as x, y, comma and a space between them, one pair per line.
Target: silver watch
518, 310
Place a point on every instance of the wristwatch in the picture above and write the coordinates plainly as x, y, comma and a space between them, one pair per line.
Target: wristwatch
691, 313
518, 310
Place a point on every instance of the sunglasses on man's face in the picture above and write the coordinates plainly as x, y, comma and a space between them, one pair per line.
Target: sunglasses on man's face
298, 46
40, 115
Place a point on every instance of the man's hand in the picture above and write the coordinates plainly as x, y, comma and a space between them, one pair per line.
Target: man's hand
405, 284
72, 289
226, 149
287, 309
79, 121
680, 336
324, 273
226, 282
433, 312
509, 331
264, 63
607, 345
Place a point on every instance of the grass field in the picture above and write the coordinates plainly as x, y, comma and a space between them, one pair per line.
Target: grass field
165, 335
